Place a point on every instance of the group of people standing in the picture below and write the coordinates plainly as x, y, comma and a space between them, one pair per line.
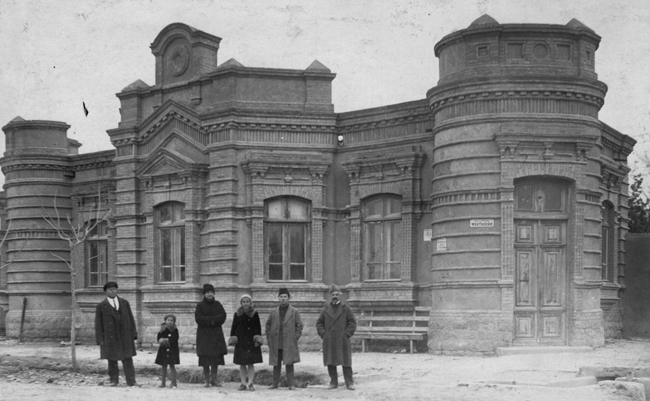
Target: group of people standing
115, 332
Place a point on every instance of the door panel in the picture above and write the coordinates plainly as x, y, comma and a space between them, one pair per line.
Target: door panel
525, 283
540, 281
524, 324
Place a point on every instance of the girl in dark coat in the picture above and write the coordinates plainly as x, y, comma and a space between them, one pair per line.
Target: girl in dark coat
168, 353
246, 335
210, 343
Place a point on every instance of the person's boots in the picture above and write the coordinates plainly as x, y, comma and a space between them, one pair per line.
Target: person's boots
334, 380
290, 378
173, 377
163, 377
214, 381
276, 377
206, 376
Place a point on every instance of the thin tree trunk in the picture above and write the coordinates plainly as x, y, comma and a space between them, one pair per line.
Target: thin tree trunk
73, 331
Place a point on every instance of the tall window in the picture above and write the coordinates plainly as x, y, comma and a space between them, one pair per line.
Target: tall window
97, 255
382, 233
608, 239
171, 242
287, 235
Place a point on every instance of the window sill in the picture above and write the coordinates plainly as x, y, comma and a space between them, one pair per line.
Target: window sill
287, 281
99, 288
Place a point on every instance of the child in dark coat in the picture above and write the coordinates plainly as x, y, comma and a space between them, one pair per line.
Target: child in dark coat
168, 353
246, 336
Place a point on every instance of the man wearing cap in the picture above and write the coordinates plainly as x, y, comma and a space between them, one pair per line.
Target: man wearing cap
335, 325
283, 329
115, 332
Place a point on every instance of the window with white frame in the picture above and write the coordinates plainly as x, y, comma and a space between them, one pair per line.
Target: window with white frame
382, 233
171, 242
287, 229
97, 255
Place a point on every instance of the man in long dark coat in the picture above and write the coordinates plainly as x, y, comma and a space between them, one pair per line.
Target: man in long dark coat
335, 325
115, 332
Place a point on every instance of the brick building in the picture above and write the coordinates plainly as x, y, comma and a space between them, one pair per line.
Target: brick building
499, 200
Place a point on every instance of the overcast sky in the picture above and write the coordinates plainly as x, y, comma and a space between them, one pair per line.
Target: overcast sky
57, 55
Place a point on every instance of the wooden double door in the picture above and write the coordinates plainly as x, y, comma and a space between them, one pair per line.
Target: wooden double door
540, 304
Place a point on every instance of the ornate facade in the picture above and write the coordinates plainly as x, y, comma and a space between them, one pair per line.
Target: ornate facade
499, 200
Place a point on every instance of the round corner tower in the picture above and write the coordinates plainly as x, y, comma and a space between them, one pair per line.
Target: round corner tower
516, 212
37, 176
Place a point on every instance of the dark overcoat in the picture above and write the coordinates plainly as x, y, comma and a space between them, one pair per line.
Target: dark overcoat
245, 328
115, 330
168, 355
209, 316
336, 328
291, 332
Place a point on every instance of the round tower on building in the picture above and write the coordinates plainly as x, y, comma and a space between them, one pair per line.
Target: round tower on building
516, 201
37, 177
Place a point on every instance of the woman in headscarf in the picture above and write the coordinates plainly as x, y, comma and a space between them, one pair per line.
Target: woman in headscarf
210, 343
246, 336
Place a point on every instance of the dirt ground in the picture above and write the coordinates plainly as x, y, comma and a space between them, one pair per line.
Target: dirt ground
41, 371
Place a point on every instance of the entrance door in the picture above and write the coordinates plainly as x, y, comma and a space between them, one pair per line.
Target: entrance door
540, 271
540, 282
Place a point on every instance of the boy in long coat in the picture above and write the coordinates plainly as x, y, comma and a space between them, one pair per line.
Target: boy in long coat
115, 332
283, 329
335, 325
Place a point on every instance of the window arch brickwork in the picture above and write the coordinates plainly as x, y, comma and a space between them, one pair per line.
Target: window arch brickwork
284, 174
395, 172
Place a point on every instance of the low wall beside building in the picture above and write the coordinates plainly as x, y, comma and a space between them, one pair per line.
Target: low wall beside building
636, 298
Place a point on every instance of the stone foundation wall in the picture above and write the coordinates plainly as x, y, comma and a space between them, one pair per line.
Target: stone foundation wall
588, 329
469, 332
39, 326
613, 321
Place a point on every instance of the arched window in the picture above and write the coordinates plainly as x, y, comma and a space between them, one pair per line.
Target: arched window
608, 238
286, 222
382, 233
97, 255
171, 242
540, 196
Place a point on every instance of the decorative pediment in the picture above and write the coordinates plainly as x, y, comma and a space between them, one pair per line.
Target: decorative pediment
612, 177
404, 161
183, 52
169, 162
286, 166
94, 196
171, 118
529, 146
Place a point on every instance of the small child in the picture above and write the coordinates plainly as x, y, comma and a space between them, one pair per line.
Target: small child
168, 353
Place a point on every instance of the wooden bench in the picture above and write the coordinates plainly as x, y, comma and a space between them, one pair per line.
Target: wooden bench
387, 330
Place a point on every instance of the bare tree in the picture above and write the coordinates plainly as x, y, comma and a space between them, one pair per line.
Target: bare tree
75, 234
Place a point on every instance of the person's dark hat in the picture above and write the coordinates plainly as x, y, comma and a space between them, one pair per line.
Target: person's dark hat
284, 291
208, 287
334, 288
110, 284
